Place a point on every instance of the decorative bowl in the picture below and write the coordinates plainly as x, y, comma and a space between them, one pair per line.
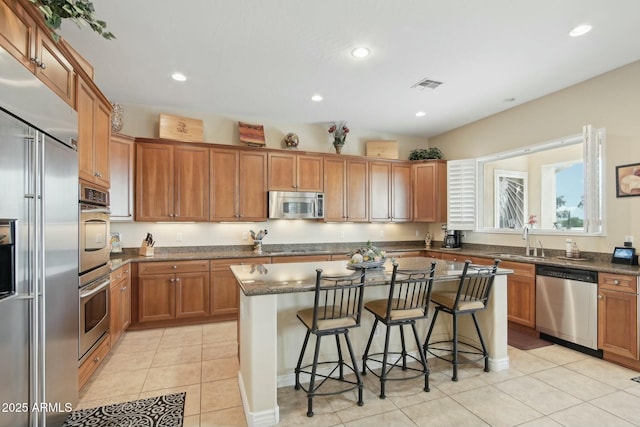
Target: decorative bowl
366, 264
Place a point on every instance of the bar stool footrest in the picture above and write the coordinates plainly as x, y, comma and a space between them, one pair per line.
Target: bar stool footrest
325, 377
465, 349
398, 363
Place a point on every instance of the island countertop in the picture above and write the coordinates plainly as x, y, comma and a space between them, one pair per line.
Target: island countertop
266, 279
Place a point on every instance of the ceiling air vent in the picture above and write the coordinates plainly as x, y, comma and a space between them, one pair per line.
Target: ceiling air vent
427, 83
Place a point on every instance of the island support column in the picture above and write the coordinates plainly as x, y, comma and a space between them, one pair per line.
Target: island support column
494, 325
258, 365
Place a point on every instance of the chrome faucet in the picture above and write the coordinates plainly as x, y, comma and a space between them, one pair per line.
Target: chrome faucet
535, 250
525, 237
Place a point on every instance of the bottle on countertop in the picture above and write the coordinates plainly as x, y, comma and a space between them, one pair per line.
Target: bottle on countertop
569, 249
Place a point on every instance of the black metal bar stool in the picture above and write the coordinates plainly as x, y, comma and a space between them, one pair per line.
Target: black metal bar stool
408, 301
337, 308
471, 296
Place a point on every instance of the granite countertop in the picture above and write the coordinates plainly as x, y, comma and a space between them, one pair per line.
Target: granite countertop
268, 279
187, 253
591, 260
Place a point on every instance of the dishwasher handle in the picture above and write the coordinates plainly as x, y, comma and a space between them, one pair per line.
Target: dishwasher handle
567, 273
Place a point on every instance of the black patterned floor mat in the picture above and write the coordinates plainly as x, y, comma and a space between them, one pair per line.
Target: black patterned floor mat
159, 411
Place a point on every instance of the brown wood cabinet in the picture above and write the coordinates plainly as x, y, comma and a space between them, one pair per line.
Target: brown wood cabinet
225, 292
93, 361
345, 190
390, 192
521, 292
121, 161
172, 182
299, 258
618, 314
295, 172
430, 191
173, 290
238, 190
120, 303
31, 45
94, 134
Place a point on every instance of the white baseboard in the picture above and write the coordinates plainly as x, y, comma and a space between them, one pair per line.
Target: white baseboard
496, 365
266, 418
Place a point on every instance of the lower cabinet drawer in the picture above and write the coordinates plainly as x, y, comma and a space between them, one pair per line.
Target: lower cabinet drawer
163, 267
89, 366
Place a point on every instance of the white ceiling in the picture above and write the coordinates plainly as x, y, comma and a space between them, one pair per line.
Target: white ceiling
265, 58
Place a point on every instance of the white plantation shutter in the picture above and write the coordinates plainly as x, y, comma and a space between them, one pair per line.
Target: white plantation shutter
594, 140
462, 190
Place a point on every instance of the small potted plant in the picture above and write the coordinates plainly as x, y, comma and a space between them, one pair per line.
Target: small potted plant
425, 153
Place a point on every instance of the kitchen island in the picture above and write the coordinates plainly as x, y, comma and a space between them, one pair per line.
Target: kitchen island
270, 335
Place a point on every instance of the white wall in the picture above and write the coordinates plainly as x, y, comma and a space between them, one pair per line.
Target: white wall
142, 121
611, 100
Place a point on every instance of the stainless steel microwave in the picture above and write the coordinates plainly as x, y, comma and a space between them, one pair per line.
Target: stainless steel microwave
296, 205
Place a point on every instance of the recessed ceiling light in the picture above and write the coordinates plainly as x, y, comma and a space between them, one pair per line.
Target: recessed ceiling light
360, 52
179, 77
317, 98
421, 114
580, 30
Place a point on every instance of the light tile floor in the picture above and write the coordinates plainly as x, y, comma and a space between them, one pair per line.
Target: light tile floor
548, 386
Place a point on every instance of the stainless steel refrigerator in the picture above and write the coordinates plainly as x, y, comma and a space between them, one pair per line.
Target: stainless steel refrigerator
38, 251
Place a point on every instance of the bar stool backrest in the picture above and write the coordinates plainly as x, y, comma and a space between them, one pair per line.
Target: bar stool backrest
410, 290
338, 298
475, 286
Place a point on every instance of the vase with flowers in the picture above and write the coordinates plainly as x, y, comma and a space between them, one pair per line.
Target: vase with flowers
339, 132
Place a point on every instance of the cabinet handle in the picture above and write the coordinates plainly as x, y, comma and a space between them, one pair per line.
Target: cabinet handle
173, 280
96, 359
174, 267
42, 65
600, 296
178, 279
616, 281
123, 289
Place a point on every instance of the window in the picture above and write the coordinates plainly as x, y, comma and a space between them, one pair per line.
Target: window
559, 182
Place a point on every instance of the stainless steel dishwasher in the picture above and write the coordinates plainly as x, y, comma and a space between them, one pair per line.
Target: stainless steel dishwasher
567, 304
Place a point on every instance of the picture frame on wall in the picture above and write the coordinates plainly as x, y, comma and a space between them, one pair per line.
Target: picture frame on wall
628, 180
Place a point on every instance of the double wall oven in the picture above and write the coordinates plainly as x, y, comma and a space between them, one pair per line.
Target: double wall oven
94, 268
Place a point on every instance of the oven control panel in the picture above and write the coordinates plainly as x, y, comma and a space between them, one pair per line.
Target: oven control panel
93, 195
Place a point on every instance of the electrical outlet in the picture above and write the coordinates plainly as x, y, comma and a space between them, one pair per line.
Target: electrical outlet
245, 235
417, 233
179, 236
629, 239
381, 233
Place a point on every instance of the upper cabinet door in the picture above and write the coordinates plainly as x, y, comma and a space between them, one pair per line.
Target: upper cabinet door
380, 191
335, 181
309, 173
224, 185
53, 69
18, 33
253, 186
94, 134
121, 154
430, 191
191, 191
154, 182
102, 136
282, 172
357, 189
401, 206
